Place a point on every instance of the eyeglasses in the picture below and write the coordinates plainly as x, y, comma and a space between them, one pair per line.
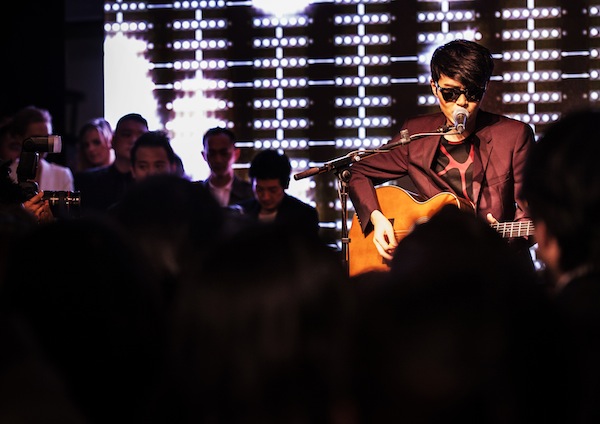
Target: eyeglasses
452, 94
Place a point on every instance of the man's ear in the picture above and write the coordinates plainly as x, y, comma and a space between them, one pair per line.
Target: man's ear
433, 87
204, 155
236, 153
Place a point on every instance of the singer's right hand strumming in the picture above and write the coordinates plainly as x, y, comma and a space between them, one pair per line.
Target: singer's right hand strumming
383, 235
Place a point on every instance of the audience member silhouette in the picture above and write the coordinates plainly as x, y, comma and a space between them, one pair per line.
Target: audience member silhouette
263, 339
562, 187
15, 219
172, 221
457, 332
97, 314
31, 390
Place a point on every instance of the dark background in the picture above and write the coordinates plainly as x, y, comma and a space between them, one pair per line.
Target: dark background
52, 58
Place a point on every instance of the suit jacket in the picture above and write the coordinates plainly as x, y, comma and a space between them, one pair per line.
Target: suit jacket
240, 190
292, 212
102, 187
501, 146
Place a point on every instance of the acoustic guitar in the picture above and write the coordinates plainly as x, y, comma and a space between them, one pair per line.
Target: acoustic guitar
404, 211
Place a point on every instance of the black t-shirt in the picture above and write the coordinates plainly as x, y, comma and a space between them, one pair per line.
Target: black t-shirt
454, 163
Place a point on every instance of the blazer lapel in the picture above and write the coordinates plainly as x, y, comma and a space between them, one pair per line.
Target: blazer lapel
430, 147
483, 149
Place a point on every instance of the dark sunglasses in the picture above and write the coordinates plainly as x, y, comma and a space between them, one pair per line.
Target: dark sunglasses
452, 94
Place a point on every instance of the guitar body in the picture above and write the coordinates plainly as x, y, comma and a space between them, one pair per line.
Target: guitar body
404, 212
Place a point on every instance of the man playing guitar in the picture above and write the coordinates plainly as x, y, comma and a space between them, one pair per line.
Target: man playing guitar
472, 154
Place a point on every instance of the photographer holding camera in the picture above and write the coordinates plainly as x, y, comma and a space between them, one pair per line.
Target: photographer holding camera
46, 188
13, 200
28, 122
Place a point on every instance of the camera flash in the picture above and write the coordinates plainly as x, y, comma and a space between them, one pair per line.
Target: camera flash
48, 143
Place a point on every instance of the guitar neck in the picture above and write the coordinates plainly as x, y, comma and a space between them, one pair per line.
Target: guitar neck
515, 229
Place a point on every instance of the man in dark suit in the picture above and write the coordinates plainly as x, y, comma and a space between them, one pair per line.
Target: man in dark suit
476, 155
270, 178
220, 153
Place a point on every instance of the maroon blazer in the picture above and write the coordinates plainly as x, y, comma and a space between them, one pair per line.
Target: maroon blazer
501, 146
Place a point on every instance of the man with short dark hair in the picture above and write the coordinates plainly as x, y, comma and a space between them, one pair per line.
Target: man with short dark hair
220, 152
152, 154
270, 177
473, 154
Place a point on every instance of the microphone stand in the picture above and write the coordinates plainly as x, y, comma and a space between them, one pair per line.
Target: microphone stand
340, 166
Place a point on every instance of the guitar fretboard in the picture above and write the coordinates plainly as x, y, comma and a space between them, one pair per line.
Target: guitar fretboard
515, 229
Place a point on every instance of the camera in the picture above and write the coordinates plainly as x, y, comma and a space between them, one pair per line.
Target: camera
63, 203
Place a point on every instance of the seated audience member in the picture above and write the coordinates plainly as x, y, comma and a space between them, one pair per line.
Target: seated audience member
264, 340
460, 332
28, 122
94, 145
270, 178
102, 187
220, 153
561, 183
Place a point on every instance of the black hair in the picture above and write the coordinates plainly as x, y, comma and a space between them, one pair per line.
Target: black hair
218, 130
132, 117
465, 61
270, 164
154, 139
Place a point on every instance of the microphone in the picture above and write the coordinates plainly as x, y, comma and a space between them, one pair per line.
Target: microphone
459, 116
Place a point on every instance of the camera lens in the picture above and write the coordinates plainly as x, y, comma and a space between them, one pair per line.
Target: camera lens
64, 204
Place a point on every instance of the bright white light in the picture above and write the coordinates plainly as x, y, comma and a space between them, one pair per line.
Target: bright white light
281, 7
130, 91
